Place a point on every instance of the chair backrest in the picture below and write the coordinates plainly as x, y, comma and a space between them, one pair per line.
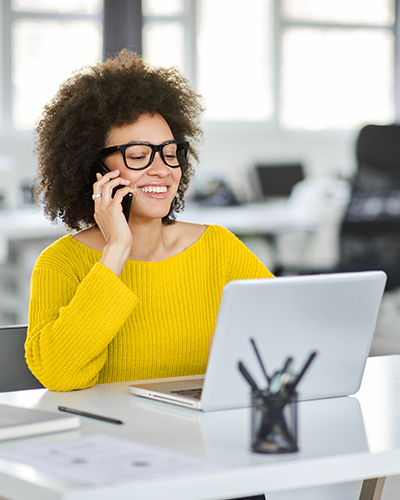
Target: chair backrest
14, 372
378, 147
370, 231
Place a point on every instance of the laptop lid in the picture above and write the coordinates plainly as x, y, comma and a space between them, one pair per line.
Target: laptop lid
333, 314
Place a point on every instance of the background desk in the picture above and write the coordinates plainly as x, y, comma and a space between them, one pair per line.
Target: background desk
254, 218
25, 223
24, 233
341, 439
269, 221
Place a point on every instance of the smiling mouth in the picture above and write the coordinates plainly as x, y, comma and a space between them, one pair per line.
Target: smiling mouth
154, 189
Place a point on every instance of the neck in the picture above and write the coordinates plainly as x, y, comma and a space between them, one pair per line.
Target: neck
149, 240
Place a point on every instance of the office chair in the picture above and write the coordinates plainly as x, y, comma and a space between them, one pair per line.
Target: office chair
370, 229
14, 372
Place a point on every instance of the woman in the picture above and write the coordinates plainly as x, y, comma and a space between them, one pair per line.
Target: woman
125, 300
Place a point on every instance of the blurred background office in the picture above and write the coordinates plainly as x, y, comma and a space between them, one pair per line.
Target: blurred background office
288, 85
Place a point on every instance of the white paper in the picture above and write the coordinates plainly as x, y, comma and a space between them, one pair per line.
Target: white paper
100, 460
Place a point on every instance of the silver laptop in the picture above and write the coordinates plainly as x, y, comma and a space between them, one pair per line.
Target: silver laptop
333, 314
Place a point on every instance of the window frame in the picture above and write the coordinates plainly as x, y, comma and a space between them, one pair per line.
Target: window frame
188, 21
7, 18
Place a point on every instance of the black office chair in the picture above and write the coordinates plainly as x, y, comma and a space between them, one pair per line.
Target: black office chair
14, 372
370, 229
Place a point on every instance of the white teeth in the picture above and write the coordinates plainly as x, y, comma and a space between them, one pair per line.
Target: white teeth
154, 189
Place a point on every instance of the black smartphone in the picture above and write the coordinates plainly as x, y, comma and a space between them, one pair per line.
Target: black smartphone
99, 166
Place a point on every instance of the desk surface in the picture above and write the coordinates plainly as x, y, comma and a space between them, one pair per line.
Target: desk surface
340, 439
271, 218
25, 223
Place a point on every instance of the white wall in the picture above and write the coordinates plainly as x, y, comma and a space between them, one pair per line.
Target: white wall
322, 153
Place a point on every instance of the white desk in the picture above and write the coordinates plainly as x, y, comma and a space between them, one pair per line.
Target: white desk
253, 219
24, 233
272, 218
340, 440
266, 220
25, 223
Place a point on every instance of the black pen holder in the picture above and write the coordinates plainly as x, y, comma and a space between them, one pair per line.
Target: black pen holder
274, 423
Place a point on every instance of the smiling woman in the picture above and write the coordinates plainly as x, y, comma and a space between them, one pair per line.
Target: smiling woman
135, 296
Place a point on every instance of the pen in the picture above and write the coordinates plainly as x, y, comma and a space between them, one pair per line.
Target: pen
302, 372
90, 415
260, 360
248, 377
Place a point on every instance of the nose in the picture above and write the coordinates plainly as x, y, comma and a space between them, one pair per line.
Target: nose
158, 167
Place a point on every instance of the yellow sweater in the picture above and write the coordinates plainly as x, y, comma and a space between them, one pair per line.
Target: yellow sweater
88, 326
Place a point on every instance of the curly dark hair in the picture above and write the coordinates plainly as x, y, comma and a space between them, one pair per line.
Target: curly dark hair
75, 124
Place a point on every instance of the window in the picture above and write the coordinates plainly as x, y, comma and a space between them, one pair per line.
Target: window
48, 40
297, 64
304, 64
234, 49
337, 63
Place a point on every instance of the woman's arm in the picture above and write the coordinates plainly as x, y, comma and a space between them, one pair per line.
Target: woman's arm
71, 325
111, 221
72, 320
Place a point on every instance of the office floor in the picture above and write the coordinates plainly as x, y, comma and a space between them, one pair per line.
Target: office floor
386, 341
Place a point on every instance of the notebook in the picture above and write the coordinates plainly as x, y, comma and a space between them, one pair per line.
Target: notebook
332, 314
18, 422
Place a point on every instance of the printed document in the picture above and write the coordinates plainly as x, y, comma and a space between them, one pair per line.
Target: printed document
100, 460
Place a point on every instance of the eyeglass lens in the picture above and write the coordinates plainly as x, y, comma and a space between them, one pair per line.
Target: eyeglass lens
139, 155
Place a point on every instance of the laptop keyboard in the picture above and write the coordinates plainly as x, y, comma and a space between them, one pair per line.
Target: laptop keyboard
191, 393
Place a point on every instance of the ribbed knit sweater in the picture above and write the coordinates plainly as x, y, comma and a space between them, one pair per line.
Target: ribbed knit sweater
88, 326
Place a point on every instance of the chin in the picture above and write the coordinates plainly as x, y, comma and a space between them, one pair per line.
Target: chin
150, 216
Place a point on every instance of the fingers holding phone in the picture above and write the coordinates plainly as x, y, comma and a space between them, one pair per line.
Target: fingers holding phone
110, 193
102, 169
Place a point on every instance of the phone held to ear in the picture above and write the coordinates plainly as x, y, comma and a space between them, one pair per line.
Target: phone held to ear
99, 166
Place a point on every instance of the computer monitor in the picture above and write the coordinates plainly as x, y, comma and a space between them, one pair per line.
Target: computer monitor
277, 180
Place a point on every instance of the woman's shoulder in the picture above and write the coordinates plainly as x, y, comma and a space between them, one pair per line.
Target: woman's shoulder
189, 233
208, 239
183, 235
91, 238
220, 234
64, 253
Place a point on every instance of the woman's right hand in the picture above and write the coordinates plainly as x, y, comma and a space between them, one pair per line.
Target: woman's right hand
110, 219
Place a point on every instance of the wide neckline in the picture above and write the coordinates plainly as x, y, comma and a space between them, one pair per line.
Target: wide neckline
144, 262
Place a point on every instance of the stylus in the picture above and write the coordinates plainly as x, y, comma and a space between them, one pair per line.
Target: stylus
90, 415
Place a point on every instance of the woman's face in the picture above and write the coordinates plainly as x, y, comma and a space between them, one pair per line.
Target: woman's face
157, 184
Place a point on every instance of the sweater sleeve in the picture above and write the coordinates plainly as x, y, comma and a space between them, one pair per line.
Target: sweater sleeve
71, 324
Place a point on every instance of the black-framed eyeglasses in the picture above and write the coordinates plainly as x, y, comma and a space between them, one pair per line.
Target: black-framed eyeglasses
140, 155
